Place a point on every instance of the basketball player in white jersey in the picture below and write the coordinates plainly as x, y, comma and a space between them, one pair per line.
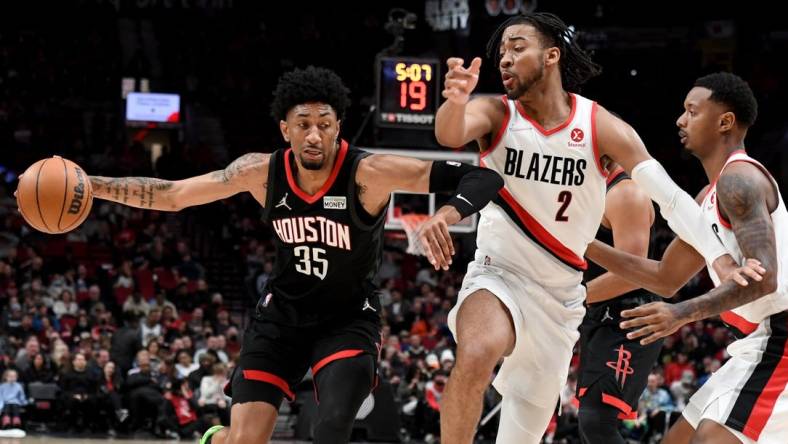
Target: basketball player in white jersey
522, 297
746, 400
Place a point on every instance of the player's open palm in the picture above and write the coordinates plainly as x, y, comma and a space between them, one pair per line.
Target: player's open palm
436, 241
461, 81
652, 321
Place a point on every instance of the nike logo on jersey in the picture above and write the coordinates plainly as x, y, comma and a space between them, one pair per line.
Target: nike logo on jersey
606, 315
460, 196
545, 168
283, 203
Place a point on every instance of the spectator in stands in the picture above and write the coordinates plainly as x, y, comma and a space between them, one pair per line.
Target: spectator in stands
212, 399
65, 305
185, 365
223, 322
655, 402
675, 369
683, 389
136, 305
151, 328
145, 397
12, 399
195, 324
79, 393
206, 361
214, 346
189, 423
162, 303
23, 357
61, 355
433, 391
40, 370
126, 342
109, 401
154, 349
99, 360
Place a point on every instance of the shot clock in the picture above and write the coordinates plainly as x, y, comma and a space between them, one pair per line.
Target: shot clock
407, 92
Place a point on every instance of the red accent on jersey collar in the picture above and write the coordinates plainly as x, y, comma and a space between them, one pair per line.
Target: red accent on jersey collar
539, 127
312, 198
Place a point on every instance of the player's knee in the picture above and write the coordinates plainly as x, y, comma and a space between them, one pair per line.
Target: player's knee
479, 356
598, 424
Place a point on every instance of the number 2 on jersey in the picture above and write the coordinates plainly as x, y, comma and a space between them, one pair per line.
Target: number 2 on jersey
564, 197
310, 261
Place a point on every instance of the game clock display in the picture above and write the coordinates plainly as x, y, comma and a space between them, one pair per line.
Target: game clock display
407, 92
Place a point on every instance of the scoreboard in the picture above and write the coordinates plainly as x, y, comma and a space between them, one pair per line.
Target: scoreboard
407, 92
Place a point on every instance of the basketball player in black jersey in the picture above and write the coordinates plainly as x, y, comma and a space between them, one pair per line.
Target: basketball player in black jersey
613, 369
325, 201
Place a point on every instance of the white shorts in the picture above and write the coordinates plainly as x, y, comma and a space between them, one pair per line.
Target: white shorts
748, 393
546, 321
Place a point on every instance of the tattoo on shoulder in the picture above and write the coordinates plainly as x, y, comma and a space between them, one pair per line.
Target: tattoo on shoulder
361, 188
738, 194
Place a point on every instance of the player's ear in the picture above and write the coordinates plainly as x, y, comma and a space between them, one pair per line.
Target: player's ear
727, 121
283, 129
552, 55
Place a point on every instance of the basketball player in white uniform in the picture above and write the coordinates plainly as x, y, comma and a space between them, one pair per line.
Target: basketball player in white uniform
522, 298
746, 400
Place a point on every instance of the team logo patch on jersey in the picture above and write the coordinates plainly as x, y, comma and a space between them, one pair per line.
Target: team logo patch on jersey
577, 135
334, 202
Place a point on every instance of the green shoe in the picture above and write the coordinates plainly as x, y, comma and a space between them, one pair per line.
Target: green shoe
206, 438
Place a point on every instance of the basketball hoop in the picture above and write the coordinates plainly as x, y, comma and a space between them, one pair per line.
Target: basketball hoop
411, 224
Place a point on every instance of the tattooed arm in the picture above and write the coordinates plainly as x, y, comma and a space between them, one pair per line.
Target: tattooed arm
247, 173
746, 196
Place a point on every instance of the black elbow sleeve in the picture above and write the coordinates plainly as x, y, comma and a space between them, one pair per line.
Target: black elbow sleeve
473, 187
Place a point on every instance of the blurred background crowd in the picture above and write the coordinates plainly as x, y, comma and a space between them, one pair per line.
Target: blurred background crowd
134, 321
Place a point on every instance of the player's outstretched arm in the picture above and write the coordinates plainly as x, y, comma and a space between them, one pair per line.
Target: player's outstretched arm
630, 214
743, 197
473, 188
247, 173
621, 143
460, 120
665, 277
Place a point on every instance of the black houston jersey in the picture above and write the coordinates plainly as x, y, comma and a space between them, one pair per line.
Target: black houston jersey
328, 248
605, 235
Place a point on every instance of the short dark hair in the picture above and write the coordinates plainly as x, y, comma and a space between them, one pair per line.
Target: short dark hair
733, 92
576, 64
311, 84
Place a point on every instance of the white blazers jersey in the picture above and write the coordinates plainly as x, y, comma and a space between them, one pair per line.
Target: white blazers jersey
745, 319
553, 197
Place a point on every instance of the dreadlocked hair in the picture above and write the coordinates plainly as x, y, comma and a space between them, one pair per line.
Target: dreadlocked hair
575, 63
309, 85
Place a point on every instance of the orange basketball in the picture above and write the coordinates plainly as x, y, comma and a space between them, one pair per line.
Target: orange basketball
54, 195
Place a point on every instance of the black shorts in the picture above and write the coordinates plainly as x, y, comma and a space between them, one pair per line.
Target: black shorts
275, 357
613, 369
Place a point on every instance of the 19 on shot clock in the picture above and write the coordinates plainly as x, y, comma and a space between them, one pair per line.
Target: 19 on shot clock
407, 92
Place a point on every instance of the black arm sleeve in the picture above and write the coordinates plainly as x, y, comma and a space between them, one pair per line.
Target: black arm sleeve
473, 187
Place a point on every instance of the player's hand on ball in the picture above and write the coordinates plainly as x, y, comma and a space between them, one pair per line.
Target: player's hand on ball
435, 239
652, 321
460, 81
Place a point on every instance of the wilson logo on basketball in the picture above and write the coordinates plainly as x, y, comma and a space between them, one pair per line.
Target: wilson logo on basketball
577, 135
79, 192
